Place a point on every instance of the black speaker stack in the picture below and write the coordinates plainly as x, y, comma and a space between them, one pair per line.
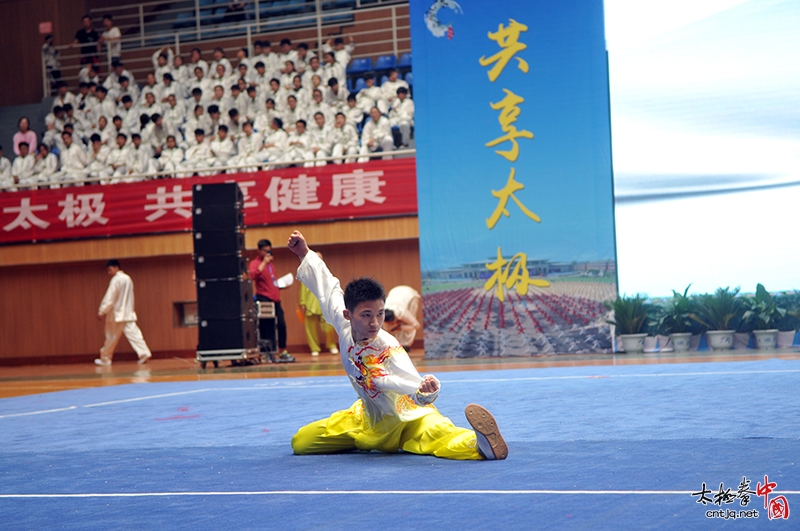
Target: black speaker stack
225, 307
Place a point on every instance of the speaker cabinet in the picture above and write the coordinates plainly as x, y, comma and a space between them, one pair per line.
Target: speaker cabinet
225, 299
226, 335
204, 195
217, 217
225, 266
216, 242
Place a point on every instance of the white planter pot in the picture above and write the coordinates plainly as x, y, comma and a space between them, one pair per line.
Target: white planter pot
785, 339
765, 338
681, 342
720, 339
633, 343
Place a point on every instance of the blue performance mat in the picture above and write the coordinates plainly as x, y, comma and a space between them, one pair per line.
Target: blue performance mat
616, 447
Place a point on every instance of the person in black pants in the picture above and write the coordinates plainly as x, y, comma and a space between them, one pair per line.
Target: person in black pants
265, 281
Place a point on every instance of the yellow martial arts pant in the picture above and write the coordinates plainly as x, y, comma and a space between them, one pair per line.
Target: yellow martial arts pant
433, 434
313, 323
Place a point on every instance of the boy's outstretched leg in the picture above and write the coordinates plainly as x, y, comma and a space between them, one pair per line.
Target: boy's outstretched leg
490, 443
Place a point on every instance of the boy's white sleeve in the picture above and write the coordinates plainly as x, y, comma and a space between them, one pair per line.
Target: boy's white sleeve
314, 274
401, 376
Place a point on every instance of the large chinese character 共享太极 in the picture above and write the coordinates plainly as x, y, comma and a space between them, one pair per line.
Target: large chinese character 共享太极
508, 273
357, 188
504, 195
509, 111
25, 216
83, 210
178, 200
299, 193
508, 39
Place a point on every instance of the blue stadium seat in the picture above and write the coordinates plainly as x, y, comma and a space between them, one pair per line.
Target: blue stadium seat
363, 64
409, 78
360, 84
405, 61
384, 79
385, 62
185, 19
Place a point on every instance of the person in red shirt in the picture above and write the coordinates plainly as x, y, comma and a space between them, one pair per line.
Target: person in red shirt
265, 282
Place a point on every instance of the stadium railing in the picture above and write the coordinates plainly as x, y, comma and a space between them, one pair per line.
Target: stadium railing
216, 170
382, 27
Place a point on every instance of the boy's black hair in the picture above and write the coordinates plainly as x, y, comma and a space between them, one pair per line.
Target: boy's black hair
264, 243
112, 262
362, 290
388, 316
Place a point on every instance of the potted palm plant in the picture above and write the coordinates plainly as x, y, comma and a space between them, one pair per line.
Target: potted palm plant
630, 320
720, 314
676, 322
789, 324
763, 314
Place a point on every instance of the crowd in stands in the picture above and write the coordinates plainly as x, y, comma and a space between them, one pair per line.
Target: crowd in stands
283, 105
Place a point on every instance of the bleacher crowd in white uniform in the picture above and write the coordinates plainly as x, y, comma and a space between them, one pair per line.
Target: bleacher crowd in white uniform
282, 106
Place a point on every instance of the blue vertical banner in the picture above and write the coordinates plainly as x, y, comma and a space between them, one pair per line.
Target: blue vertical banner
513, 141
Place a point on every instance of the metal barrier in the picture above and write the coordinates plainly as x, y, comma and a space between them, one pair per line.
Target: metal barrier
214, 170
207, 29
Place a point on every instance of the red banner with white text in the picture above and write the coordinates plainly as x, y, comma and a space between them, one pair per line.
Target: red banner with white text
291, 195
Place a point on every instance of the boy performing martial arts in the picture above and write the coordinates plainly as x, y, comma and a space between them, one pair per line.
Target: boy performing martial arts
395, 407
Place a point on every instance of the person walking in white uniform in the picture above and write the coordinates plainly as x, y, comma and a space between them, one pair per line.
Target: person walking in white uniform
117, 309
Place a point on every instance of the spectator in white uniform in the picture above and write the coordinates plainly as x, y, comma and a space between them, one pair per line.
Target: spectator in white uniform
22, 168
336, 95
247, 146
117, 308
198, 156
220, 59
6, 179
88, 74
73, 160
372, 96
275, 144
45, 166
285, 52
303, 57
390, 86
98, 159
299, 143
400, 314
171, 155
63, 96
162, 61
401, 115
318, 105
354, 113
142, 156
341, 51
221, 147
321, 142
263, 120
112, 38
332, 68
376, 136
120, 160
314, 69
345, 140
196, 60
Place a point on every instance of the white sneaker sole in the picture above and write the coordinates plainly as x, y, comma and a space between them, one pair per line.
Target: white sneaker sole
485, 426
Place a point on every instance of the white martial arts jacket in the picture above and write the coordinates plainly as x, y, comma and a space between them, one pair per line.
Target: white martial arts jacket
118, 300
379, 370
